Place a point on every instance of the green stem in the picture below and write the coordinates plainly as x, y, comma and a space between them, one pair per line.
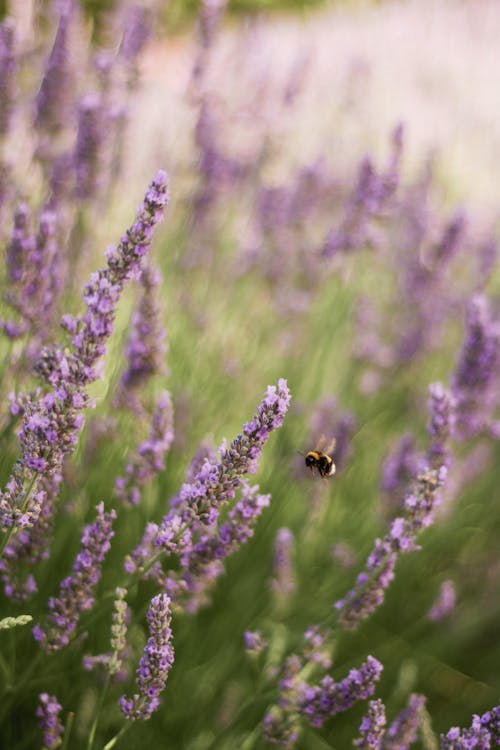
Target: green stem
98, 712
67, 730
115, 739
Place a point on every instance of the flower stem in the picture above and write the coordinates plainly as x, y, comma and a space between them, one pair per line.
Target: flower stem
115, 739
98, 712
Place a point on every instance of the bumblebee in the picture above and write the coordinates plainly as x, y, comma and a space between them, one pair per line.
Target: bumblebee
320, 460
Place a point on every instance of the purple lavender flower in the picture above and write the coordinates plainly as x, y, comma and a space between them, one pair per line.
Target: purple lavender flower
146, 345
136, 32
445, 602
216, 483
400, 467
403, 731
441, 407
451, 239
53, 103
420, 503
369, 591
149, 460
477, 737
51, 422
155, 663
201, 564
146, 548
48, 715
29, 547
370, 198
372, 728
89, 151
77, 590
283, 582
35, 278
7, 74
473, 380
254, 642
317, 703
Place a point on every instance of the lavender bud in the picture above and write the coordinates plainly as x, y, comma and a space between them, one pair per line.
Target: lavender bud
6, 623
48, 715
155, 664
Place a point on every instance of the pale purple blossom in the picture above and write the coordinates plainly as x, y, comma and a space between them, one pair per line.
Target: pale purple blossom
155, 663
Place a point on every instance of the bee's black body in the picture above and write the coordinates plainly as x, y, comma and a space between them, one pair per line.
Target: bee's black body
320, 461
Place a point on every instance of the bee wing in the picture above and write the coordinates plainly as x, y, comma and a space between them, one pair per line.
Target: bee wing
330, 447
320, 444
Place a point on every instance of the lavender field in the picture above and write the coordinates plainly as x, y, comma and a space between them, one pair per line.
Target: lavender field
227, 243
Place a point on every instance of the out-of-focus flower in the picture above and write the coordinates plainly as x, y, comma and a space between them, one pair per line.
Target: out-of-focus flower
7, 74
445, 602
283, 581
403, 731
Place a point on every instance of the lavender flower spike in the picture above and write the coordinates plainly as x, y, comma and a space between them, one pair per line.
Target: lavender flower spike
51, 423
216, 483
48, 714
77, 590
442, 414
372, 727
155, 663
318, 703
